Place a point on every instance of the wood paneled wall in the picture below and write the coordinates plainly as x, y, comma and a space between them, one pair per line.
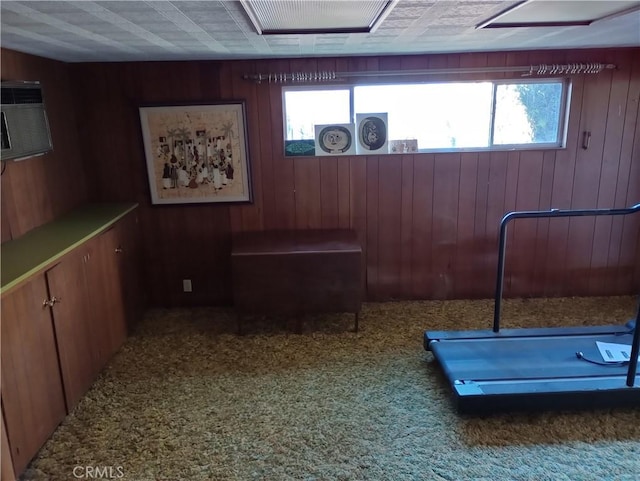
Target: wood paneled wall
428, 222
39, 189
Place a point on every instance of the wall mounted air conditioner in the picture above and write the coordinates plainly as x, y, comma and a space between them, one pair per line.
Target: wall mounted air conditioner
25, 129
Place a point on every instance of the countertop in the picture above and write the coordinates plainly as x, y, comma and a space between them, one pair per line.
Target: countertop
41, 247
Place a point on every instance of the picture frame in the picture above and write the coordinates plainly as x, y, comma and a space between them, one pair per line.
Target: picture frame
372, 133
197, 153
406, 146
335, 139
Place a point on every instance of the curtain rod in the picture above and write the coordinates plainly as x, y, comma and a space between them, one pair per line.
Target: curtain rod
527, 71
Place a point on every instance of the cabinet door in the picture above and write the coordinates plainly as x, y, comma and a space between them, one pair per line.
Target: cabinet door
106, 293
6, 474
32, 395
128, 250
78, 362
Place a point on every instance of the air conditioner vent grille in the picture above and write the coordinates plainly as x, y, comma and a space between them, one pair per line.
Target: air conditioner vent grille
21, 95
25, 129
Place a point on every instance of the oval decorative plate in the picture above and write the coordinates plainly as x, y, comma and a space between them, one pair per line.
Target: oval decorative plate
335, 139
372, 133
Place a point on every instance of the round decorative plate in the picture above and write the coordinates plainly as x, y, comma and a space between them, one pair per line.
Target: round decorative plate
335, 139
372, 133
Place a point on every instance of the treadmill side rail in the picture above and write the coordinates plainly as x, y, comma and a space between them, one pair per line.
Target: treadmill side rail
435, 336
572, 394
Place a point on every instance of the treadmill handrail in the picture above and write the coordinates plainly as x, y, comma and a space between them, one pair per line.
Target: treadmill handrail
635, 346
538, 214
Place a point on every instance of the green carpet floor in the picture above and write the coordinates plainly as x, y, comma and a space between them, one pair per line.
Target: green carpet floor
187, 399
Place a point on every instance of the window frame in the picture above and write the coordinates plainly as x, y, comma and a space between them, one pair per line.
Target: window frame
563, 120
298, 88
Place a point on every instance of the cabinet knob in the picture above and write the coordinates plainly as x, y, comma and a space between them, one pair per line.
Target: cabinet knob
55, 299
119, 250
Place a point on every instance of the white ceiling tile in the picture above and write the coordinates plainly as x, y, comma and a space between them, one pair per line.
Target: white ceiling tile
53, 8
120, 6
219, 27
157, 30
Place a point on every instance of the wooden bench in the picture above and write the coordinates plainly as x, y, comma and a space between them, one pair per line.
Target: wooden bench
298, 272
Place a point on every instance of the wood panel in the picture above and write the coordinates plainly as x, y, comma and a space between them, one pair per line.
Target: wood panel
39, 189
601, 277
465, 283
428, 223
444, 223
627, 179
422, 273
406, 225
542, 245
471, 202
563, 176
105, 281
586, 181
73, 326
6, 472
252, 217
334, 178
283, 167
178, 242
372, 232
525, 231
268, 175
358, 209
306, 177
32, 393
390, 226
5, 227
344, 192
627, 267
329, 200
633, 194
483, 247
306, 174
495, 210
510, 196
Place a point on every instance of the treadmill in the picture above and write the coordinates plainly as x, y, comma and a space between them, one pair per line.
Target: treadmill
498, 370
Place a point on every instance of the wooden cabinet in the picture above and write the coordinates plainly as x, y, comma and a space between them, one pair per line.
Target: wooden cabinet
32, 393
59, 329
105, 290
7, 473
296, 272
74, 325
129, 268
92, 288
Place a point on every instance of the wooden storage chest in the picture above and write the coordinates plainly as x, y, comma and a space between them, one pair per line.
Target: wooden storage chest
296, 272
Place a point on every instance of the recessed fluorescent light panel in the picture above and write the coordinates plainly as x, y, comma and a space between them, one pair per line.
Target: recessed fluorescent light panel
280, 17
559, 13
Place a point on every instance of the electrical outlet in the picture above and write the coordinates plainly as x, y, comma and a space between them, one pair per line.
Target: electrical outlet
186, 285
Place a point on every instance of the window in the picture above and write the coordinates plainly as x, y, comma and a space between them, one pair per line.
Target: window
306, 108
528, 113
451, 116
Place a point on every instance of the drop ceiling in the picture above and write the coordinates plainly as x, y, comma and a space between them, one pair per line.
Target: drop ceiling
85, 31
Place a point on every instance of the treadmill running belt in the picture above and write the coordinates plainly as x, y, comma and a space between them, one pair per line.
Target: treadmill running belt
526, 358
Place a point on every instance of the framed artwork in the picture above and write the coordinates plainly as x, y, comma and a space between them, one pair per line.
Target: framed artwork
407, 146
197, 153
372, 133
335, 139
